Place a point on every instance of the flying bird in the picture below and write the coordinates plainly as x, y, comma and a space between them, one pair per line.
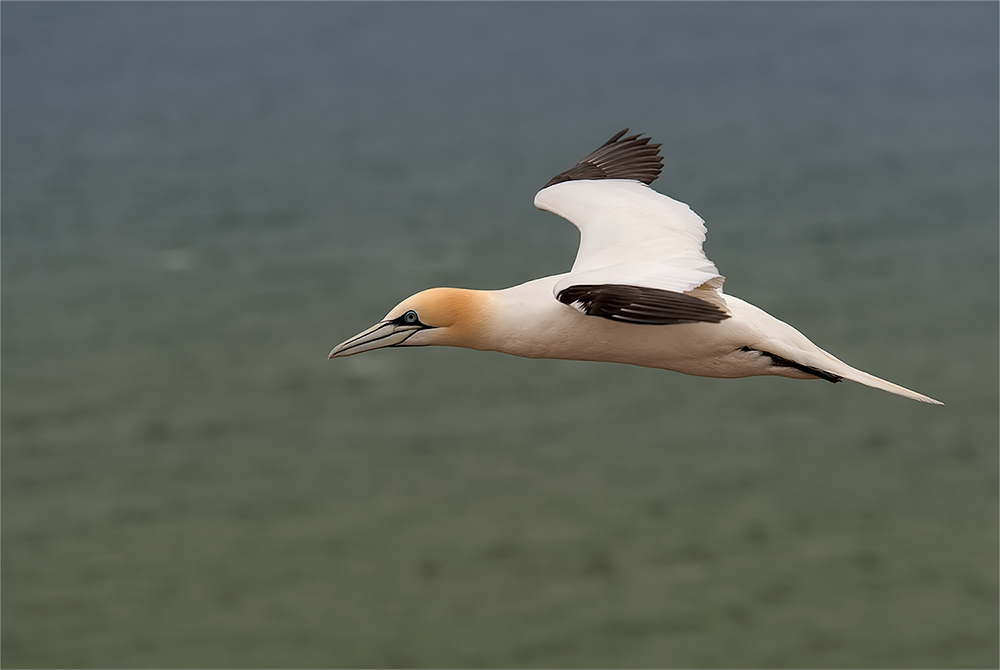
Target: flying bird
641, 291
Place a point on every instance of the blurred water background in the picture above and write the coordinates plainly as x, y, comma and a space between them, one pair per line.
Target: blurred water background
200, 200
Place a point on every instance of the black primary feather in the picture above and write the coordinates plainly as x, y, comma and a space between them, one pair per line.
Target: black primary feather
640, 304
782, 362
631, 157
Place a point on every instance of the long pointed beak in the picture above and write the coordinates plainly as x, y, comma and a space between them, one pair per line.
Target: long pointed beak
382, 334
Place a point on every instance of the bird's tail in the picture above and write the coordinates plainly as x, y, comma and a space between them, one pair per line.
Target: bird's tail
844, 370
805, 357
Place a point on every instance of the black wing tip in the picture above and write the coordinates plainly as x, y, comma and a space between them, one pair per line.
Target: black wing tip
621, 157
617, 137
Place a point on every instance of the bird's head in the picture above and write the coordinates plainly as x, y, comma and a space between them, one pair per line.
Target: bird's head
443, 316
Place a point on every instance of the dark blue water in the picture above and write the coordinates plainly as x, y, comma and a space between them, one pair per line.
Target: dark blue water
200, 200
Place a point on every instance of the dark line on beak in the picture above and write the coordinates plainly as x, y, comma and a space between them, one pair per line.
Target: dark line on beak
391, 346
347, 345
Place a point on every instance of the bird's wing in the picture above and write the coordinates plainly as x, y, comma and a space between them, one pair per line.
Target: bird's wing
632, 237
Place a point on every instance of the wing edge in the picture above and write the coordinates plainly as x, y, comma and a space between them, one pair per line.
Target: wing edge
631, 157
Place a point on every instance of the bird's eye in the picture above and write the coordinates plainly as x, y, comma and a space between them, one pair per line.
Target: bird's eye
410, 317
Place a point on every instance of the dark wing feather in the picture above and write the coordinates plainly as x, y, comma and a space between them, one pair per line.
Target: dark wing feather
782, 362
620, 157
639, 304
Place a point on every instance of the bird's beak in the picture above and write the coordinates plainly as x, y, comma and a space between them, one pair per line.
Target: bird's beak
382, 334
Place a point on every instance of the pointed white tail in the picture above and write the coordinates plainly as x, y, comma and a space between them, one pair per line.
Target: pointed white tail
855, 375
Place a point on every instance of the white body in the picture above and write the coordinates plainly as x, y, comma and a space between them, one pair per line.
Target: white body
527, 322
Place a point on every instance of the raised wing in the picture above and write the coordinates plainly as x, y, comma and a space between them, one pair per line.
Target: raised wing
630, 235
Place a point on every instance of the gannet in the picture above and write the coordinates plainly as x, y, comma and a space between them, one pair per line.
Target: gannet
641, 291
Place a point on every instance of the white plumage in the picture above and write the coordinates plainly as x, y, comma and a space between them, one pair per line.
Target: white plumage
641, 291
